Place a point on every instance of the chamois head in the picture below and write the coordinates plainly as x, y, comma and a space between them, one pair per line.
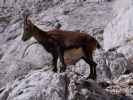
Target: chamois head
28, 29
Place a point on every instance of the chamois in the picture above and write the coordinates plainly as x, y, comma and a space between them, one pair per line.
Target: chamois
58, 41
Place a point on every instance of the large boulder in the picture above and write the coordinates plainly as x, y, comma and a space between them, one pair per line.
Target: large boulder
46, 85
110, 65
10, 71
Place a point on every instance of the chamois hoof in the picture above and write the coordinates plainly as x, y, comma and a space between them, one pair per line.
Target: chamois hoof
63, 69
92, 77
55, 69
94, 64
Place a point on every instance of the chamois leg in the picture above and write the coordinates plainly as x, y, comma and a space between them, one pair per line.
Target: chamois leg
63, 68
89, 60
61, 56
92, 68
54, 63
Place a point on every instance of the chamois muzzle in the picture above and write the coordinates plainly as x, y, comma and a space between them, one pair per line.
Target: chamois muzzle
26, 37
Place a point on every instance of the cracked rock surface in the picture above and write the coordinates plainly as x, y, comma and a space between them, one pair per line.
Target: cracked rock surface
26, 71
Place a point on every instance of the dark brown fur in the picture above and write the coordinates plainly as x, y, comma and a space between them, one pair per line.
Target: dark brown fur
58, 41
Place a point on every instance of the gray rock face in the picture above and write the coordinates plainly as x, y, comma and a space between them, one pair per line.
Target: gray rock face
40, 85
122, 86
119, 31
26, 74
110, 65
12, 71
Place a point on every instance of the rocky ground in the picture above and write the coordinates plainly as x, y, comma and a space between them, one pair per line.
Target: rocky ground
30, 77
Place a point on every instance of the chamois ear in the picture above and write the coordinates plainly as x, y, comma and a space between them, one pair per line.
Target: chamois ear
27, 19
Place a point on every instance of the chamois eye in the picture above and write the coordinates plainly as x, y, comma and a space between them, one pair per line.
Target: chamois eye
25, 27
28, 22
